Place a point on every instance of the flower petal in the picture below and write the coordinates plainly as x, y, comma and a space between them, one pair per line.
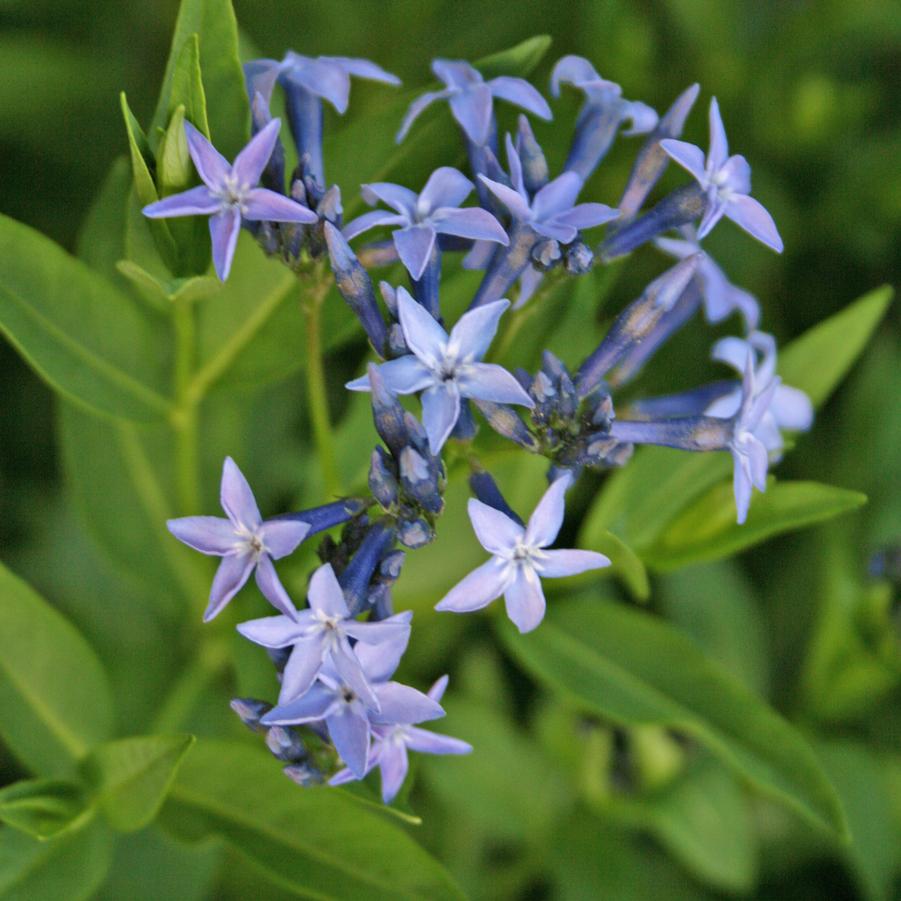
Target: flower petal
472, 222
208, 534
753, 217
275, 631
472, 108
325, 594
373, 633
644, 118
211, 165
446, 187
736, 175
263, 205
426, 742
741, 486
260, 76
379, 661
236, 497
194, 202
569, 562
224, 229
423, 334
475, 330
363, 68
497, 532
488, 381
556, 196
586, 215
718, 152
547, 517
528, 285
251, 161
477, 589
351, 672
321, 77
688, 156
271, 586
414, 247
456, 73
233, 572
440, 412
415, 109
402, 200
312, 706
792, 408
349, 732
401, 704
525, 600
521, 93
512, 200
302, 667
372, 219
393, 765
282, 536
404, 375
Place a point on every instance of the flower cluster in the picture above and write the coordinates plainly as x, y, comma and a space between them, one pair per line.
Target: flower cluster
335, 656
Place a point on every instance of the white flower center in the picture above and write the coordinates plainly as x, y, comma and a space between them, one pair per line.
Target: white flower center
232, 194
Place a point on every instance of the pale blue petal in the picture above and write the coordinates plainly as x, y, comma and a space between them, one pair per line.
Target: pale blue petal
363, 68
402, 200
302, 668
524, 599
236, 497
472, 109
401, 704
207, 534
518, 91
194, 202
325, 594
282, 536
736, 175
488, 381
211, 165
275, 631
755, 220
477, 589
372, 219
263, 205
440, 412
312, 706
224, 229
719, 145
792, 408
688, 156
424, 336
405, 375
446, 187
271, 586
497, 532
556, 564
349, 732
556, 196
414, 110
426, 742
233, 572
414, 247
475, 330
351, 672
512, 200
393, 765
547, 517
473, 222
251, 161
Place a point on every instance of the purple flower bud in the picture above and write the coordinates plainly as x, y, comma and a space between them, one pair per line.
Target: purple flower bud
249, 711
356, 577
535, 173
506, 422
303, 774
285, 744
485, 489
390, 418
390, 567
327, 516
415, 533
579, 258
695, 433
546, 254
382, 481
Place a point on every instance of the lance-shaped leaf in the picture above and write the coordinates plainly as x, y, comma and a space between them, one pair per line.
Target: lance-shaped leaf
88, 340
316, 841
706, 530
54, 693
131, 776
632, 668
44, 808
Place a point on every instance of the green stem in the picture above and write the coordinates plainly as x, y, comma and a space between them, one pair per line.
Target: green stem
317, 396
184, 422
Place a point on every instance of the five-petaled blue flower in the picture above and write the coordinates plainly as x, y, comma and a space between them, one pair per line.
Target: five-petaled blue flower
322, 634
348, 718
327, 77
446, 367
471, 98
726, 181
520, 560
228, 193
422, 218
553, 211
388, 751
243, 541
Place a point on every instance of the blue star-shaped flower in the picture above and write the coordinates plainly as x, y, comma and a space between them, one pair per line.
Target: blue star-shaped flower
471, 99
421, 218
446, 367
228, 193
726, 181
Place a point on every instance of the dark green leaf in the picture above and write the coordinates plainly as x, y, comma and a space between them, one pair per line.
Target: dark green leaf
313, 840
101, 238
69, 867
213, 23
818, 360
131, 776
53, 691
632, 668
43, 808
142, 161
89, 341
707, 529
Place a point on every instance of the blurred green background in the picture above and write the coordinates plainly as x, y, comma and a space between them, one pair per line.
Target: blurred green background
809, 93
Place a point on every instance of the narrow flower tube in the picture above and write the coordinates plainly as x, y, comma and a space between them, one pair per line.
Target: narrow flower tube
685, 307
682, 206
485, 489
652, 159
425, 288
636, 323
694, 433
328, 515
304, 111
505, 421
387, 413
355, 579
356, 287
684, 403
507, 264
535, 172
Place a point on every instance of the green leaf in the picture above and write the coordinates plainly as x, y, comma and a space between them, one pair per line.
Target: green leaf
707, 529
632, 668
212, 24
818, 360
69, 867
142, 160
53, 691
131, 776
85, 338
625, 563
101, 238
43, 808
521, 59
318, 842
703, 820
187, 86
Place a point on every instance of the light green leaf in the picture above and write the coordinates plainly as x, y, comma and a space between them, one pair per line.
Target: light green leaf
315, 841
521, 59
44, 808
707, 529
211, 23
142, 160
175, 168
69, 867
101, 238
703, 820
85, 338
53, 691
131, 776
632, 668
625, 563
818, 360
187, 86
